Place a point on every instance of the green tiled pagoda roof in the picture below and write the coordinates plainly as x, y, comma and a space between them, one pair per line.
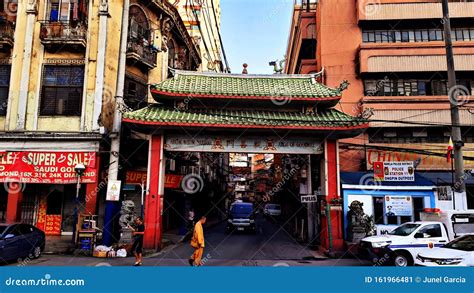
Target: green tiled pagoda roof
218, 85
326, 119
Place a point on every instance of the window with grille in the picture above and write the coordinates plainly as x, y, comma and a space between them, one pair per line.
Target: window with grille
135, 93
4, 87
61, 92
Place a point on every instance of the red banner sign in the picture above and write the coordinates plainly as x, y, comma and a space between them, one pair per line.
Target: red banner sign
135, 177
53, 225
173, 181
41, 221
46, 167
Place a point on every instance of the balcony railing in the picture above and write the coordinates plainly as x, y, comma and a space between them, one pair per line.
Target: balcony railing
63, 33
7, 31
140, 51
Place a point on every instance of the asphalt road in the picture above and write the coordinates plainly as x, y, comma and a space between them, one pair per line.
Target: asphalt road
272, 245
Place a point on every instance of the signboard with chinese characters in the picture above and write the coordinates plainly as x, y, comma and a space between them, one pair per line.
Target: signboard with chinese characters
398, 205
244, 144
394, 171
46, 167
113, 190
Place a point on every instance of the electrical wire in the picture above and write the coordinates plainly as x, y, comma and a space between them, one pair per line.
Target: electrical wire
209, 26
227, 67
200, 29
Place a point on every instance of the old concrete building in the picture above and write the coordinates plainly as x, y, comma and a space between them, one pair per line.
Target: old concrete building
59, 78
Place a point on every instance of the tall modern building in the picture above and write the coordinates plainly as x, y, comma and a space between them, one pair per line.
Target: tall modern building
393, 54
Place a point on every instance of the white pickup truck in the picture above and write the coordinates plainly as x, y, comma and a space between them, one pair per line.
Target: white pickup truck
401, 246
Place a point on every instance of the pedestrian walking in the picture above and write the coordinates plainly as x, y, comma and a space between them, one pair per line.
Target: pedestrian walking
190, 219
197, 242
137, 247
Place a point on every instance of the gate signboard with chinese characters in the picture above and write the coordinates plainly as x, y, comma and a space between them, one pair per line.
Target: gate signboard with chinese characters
244, 144
46, 167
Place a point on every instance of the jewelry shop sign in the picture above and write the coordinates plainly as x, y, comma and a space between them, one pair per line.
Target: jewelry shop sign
244, 144
46, 167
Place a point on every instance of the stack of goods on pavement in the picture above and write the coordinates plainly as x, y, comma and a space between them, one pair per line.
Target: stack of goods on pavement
104, 251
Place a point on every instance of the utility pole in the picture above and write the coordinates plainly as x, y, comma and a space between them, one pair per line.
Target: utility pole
453, 93
116, 127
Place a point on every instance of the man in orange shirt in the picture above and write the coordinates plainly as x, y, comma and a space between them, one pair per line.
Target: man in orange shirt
197, 242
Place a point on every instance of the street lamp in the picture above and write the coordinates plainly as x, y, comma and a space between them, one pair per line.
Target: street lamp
79, 168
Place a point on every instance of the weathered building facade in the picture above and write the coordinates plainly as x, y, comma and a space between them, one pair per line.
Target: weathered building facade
58, 86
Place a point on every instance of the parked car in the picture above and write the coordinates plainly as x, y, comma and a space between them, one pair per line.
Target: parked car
459, 252
402, 245
272, 209
19, 241
241, 217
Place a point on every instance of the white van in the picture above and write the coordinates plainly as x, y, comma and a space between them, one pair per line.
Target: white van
402, 245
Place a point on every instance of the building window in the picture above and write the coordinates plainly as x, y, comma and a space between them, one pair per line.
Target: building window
136, 93
4, 88
67, 10
139, 28
61, 92
415, 35
411, 87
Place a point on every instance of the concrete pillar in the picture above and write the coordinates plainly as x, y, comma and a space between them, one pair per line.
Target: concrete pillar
92, 189
31, 11
153, 202
15, 196
100, 69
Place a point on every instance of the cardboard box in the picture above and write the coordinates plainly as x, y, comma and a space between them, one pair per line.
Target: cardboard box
100, 254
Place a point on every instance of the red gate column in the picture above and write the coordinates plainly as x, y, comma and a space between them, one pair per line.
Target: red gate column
92, 189
152, 238
15, 196
332, 191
